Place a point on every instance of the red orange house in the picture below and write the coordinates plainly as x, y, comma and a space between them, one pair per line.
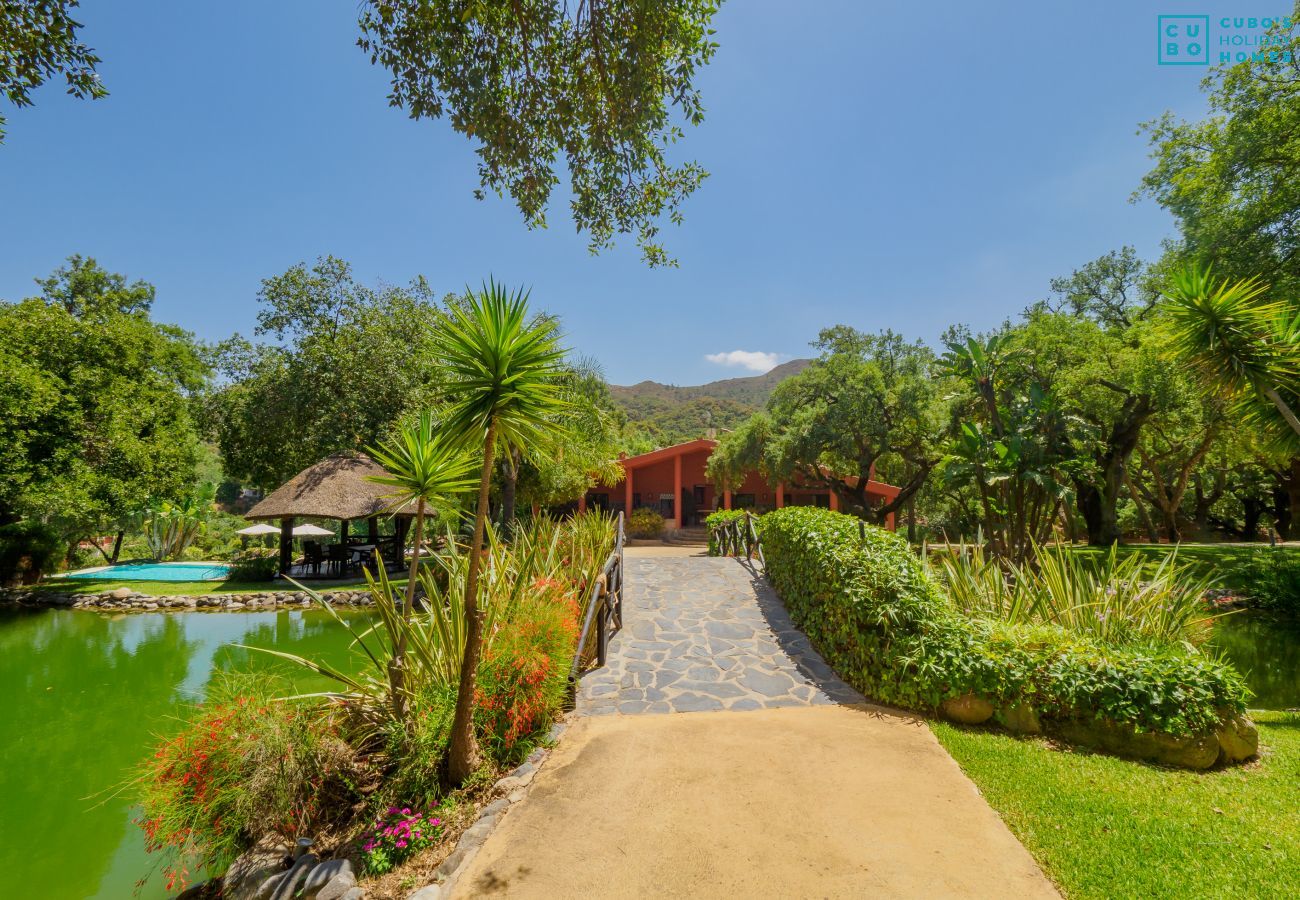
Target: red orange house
672, 481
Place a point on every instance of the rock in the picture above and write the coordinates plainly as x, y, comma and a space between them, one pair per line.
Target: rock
149, 605
967, 709
354, 894
338, 887
428, 892
493, 808
325, 874
1238, 739
121, 593
1190, 752
251, 869
1019, 719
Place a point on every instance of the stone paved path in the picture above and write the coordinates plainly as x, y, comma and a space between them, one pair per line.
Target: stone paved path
702, 634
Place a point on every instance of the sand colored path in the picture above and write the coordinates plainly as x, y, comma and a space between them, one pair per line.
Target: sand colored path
822, 801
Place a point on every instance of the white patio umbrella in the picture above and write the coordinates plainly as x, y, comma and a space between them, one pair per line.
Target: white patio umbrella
301, 531
259, 529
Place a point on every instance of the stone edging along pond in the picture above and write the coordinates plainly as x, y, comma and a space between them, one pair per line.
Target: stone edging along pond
127, 600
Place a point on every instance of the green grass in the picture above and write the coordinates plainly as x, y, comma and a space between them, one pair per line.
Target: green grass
1105, 827
1218, 560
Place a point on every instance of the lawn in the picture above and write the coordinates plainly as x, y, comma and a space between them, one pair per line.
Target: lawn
1219, 560
1105, 827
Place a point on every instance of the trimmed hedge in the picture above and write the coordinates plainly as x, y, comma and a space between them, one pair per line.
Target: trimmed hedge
874, 614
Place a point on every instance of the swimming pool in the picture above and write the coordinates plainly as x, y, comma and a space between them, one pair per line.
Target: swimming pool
166, 571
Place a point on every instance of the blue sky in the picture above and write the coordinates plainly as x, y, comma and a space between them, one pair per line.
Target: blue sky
880, 164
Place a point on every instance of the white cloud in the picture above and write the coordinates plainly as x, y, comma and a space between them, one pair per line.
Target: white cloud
754, 360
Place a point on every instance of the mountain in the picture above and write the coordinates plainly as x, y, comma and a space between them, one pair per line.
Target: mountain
670, 414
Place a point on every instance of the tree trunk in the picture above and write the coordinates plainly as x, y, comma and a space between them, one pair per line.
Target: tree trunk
509, 484
1254, 509
1286, 501
1152, 536
1097, 501
397, 665
117, 547
462, 755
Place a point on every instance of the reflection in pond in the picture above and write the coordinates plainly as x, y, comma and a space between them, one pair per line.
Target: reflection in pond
84, 697
1265, 650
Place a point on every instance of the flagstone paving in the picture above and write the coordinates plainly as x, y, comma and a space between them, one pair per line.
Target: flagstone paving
704, 634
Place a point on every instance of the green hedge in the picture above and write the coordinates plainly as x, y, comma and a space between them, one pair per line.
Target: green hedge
870, 609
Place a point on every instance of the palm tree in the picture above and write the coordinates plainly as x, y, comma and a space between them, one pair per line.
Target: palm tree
425, 469
505, 369
1239, 342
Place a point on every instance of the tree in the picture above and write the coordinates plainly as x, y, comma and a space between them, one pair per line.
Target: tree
506, 372
1109, 290
1011, 440
94, 407
38, 41
866, 401
344, 364
593, 428
1230, 178
427, 470
603, 86
1242, 345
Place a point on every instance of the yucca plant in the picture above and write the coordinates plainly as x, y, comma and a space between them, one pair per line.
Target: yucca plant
424, 468
504, 369
1114, 599
1239, 341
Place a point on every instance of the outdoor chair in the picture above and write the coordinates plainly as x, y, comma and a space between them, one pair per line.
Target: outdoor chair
337, 558
313, 556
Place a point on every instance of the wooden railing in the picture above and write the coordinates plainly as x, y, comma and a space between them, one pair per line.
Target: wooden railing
739, 536
604, 611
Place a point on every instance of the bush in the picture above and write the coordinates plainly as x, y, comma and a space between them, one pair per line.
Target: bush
28, 550
244, 765
868, 605
717, 520
523, 676
1270, 579
645, 523
255, 564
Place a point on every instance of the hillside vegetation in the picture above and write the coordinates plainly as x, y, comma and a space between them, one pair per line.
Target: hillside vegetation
669, 414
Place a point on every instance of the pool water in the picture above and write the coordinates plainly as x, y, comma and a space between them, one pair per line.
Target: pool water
167, 571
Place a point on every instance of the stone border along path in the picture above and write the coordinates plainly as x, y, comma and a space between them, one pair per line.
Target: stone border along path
702, 634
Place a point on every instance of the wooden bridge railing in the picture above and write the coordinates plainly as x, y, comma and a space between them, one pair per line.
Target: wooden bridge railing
604, 611
739, 536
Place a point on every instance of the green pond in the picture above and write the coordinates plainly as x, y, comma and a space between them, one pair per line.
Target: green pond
85, 695
1267, 652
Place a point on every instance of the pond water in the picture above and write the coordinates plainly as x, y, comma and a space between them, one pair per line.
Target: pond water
84, 697
1267, 652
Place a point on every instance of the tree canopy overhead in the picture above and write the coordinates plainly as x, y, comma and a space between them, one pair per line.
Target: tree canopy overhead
38, 41
600, 87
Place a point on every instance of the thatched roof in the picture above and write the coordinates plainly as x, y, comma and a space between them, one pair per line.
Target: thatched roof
337, 487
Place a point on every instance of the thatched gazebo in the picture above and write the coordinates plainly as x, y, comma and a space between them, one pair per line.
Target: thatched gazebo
337, 487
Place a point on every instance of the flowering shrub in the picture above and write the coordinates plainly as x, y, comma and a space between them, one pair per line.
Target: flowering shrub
244, 765
524, 672
645, 522
396, 836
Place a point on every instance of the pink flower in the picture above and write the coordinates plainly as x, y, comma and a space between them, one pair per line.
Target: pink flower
401, 845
